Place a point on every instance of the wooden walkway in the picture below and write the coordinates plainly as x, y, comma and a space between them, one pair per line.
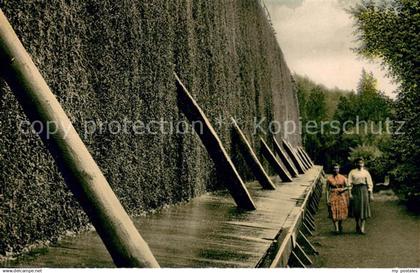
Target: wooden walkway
208, 231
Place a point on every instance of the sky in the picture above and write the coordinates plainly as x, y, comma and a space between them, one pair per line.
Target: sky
316, 37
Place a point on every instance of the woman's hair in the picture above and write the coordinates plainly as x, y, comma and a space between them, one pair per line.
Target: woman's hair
358, 159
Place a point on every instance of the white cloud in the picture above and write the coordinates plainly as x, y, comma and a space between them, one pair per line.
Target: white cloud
316, 38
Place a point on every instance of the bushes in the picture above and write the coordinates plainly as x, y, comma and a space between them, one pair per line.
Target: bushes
373, 160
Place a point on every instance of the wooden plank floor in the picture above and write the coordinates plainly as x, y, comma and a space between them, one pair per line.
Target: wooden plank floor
208, 231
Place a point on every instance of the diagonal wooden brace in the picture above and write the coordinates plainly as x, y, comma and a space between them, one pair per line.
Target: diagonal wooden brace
302, 255
79, 169
286, 161
213, 145
298, 165
252, 160
295, 261
305, 242
271, 158
303, 159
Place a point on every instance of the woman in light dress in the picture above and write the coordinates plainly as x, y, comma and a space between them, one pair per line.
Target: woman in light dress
361, 194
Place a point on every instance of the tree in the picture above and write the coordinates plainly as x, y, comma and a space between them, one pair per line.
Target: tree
318, 103
317, 109
368, 84
372, 104
346, 108
370, 108
390, 31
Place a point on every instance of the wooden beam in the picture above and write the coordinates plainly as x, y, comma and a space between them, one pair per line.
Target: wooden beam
309, 218
289, 165
223, 163
301, 159
296, 154
307, 160
308, 157
283, 248
312, 208
302, 254
304, 241
310, 225
252, 160
309, 215
295, 261
304, 158
295, 150
310, 222
306, 229
271, 158
294, 157
79, 169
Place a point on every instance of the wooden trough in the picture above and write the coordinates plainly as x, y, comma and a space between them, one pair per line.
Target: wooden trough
209, 231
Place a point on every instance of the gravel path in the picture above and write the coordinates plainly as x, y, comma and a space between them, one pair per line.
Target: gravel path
392, 239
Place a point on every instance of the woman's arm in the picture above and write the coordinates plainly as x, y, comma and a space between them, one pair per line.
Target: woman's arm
346, 182
369, 183
349, 183
328, 190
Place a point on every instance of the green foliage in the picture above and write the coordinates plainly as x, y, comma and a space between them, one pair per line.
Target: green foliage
318, 103
367, 104
346, 108
317, 108
368, 152
372, 104
305, 86
390, 31
373, 157
366, 110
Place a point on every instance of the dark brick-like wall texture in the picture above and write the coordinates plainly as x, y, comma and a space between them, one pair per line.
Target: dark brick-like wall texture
111, 63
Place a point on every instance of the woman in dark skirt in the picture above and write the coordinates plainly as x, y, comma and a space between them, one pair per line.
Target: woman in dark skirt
361, 195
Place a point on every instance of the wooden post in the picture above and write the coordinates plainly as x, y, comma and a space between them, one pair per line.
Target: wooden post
252, 160
309, 220
289, 165
304, 155
271, 158
302, 158
312, 207
80, 171
309, 216
214, 147
308, 157
302, 254
302, 150
299, 156
309, 224
306, 229
295, 261
294, 157
304, 241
